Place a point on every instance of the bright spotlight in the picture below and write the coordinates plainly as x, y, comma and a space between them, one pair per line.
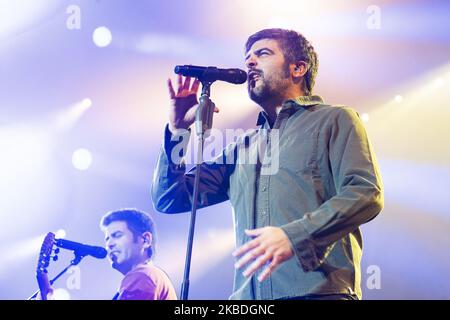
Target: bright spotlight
16, 253
60, 234
398, 98
86, 103
439, 82
365, 117
18, 15
66, 119
102, 37
82, 159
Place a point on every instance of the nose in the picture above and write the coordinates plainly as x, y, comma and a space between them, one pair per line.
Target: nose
110, 244
250, 62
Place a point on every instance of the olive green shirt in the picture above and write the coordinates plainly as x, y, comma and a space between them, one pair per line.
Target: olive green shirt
317, 179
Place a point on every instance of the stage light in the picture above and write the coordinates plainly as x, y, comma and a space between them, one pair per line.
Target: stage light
18, 15
60, 234
411, 139
439, 82
15, 253
82, 159
86, 103
102, 37
365, 117
67, 119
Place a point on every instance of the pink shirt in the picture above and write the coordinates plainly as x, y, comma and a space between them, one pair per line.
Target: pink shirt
146, 282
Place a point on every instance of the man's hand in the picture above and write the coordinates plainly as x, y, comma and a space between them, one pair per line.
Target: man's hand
181, 112
270, 245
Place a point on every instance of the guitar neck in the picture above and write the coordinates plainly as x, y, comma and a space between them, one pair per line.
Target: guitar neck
44, 285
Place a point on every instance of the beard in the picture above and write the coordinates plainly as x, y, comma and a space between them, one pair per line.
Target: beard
268, 88
260, 91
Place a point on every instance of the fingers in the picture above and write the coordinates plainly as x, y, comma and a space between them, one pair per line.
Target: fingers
183, 87
257, 264
269, 244
251, 255
253, 233
180, 84
246, 247
270, 268
171, 90
187, 84
195, 86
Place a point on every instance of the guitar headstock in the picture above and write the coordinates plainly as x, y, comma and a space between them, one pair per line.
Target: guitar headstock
43, 263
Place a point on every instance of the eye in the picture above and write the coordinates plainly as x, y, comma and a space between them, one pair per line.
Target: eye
117, 235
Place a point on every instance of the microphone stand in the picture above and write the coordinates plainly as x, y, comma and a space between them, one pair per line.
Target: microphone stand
203, 123
76, 260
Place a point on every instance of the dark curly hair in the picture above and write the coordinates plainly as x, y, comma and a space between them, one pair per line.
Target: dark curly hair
137, 221
295, 48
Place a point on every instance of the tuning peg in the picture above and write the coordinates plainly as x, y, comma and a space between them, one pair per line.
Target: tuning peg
44, 270
55, 258
56, 250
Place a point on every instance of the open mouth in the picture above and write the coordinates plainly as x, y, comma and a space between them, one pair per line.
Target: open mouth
113, 255
253, 77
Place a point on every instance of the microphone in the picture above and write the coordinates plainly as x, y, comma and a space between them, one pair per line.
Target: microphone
81, 249
211, 74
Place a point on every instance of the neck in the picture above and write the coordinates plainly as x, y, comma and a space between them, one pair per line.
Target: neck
128, 267
273, 106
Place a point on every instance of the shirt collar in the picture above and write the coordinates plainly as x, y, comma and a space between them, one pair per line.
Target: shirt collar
297, 103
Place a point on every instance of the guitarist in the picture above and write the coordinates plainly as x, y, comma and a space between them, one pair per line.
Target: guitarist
130, 241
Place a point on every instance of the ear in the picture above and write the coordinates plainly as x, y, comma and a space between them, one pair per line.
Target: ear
147, 239
298, 69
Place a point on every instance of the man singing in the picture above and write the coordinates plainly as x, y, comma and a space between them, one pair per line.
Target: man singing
130, 237
297, 227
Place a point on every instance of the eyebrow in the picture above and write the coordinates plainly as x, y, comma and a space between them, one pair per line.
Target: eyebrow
259, 51
113, 234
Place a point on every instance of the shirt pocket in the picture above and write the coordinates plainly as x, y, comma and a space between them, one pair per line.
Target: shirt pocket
299, 154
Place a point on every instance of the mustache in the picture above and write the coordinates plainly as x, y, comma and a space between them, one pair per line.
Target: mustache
255, 71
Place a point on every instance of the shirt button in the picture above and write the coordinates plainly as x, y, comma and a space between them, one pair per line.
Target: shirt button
264, 188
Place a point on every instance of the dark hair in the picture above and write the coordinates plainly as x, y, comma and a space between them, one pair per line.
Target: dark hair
137, 221
295, 48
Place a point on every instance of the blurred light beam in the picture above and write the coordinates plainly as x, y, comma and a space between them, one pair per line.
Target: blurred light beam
67, 119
